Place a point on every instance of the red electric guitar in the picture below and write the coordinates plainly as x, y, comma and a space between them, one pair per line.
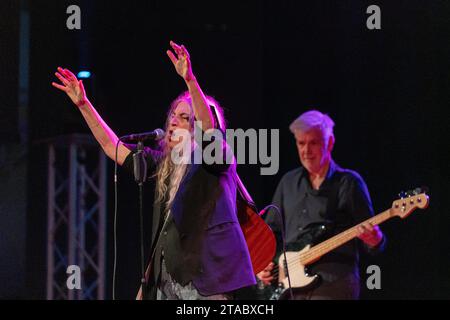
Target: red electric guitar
260, 238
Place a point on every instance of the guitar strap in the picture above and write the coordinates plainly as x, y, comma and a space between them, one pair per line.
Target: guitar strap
242, 192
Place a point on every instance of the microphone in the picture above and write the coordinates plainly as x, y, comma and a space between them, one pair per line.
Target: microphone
156, 134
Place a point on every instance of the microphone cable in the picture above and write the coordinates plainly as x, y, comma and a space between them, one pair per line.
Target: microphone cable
115, 224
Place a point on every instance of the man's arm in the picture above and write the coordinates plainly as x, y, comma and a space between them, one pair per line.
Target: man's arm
361, 208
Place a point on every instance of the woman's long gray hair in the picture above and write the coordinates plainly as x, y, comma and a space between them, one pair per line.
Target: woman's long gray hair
168, 174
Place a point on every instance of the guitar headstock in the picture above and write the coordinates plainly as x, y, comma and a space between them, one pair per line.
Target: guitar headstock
409, 201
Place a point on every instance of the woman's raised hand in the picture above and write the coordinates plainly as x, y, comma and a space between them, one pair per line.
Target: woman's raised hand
71, 86
181, 61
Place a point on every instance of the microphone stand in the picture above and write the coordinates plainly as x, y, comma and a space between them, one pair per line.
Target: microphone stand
140, 175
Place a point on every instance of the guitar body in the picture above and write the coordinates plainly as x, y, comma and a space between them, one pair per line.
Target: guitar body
258, 235
300, 280
298, 276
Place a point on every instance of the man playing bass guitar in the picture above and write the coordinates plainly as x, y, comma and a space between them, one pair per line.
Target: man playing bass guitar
322, 199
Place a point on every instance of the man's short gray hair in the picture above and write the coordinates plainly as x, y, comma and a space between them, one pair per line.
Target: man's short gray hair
314, 119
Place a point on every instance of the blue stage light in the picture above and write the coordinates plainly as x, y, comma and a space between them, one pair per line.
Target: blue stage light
84, 75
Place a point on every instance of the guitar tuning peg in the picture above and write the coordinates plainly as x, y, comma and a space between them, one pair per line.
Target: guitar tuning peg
402, 194
417, 191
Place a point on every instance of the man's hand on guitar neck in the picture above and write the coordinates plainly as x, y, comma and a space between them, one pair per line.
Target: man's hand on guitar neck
371, 235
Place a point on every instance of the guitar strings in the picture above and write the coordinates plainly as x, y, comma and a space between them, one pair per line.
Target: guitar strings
324, 246
308, 254
375, 220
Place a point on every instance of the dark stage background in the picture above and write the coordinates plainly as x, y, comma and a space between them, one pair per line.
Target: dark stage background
266, 62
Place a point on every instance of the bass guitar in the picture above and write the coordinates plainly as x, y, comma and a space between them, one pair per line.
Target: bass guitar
296, 261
